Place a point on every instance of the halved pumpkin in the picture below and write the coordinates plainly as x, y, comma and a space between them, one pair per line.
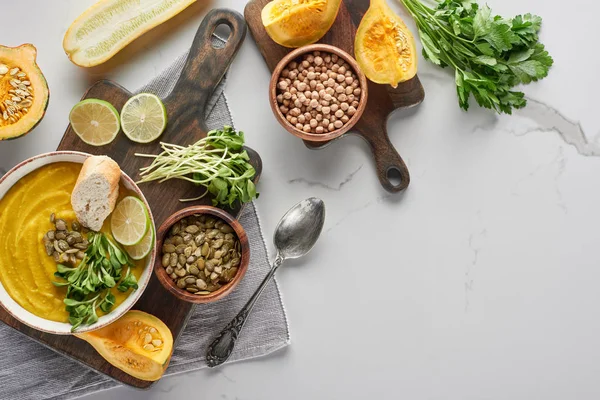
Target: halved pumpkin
384, 47
295, 23
24, 91
137, 343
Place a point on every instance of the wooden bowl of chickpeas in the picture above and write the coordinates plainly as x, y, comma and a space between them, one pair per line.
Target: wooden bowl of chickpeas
318, 92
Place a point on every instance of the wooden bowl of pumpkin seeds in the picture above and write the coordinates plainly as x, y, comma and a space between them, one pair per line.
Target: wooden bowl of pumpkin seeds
203, 253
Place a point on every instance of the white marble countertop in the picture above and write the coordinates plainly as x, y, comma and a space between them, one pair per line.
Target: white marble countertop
479, 282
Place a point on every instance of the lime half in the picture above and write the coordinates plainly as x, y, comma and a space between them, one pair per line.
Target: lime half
95, 121
143, 248
144, 118
129, 221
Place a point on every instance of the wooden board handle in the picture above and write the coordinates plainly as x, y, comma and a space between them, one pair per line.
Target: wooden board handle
204, 68
391, 169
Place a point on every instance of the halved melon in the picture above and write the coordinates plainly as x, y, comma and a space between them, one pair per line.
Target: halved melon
384, 47
295, 23
24, 91
137, 343
109, 25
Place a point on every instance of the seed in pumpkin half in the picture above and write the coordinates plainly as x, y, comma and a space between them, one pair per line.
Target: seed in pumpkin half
384, 47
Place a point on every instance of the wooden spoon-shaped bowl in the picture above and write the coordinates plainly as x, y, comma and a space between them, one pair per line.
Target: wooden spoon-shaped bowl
171, 285
298, 53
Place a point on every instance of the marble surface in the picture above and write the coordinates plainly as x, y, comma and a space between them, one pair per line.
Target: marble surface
479, 282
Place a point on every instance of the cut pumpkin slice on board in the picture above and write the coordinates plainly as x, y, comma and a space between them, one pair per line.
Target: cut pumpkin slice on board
109, 25
295, 23
137, 343
384, 47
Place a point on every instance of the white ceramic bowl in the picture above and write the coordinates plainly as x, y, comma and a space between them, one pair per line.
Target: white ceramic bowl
64, 328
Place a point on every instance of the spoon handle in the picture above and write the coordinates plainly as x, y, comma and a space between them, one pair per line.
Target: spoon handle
222, 347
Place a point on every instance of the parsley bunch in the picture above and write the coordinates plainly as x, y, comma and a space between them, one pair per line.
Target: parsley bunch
89, 283
490, 54
218, 162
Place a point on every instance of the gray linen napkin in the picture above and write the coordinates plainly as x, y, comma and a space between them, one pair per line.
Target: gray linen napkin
32, 371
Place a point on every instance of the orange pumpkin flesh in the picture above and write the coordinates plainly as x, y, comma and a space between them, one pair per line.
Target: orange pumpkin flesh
384, 47
137, 343
295, 23
24, 91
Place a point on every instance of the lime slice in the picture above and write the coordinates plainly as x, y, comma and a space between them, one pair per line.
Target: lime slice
129, 221
144, 118
143, 248
95, 121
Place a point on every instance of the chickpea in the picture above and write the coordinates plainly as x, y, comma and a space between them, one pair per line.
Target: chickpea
335, 67
349, 80
326, 110
314, 103
334, 108
329, 91
311, 76
344, 106
306, 128
349, 90
342, 97
345, 119
286, 102
313, 123
342, 70
340, 89
302, 86
289, 118
299, 126
339, 114
318, 60
305, 64
327, 59
334, 57
320, 86
338, 124
331, 126
319, 117
282, 85
315, 95
354, 104
310, 58
287, 95
351, 111
357, 92
313, 84
323, 77
279, 98
341, 78
330, 82
293, 90
319, 129
305, 72
294, 121
298, 103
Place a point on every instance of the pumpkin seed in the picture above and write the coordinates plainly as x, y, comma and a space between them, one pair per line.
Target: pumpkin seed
199, 254
61, 225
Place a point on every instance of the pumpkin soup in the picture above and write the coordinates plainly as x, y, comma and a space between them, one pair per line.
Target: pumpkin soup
26, 270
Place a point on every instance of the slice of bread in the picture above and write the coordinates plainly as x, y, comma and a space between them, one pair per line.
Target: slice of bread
96, 191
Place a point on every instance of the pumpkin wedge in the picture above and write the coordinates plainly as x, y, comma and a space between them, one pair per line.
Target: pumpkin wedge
24, 91
109, 25
295, 23
384, 47
137, 343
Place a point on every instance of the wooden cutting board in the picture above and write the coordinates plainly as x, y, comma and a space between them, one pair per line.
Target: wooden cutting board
382, 101
204, 69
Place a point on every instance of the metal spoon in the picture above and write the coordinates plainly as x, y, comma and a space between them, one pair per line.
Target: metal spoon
295, 235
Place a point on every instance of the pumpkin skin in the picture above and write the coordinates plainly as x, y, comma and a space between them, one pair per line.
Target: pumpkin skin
294, 23
384, 47
24, 58
122, 344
